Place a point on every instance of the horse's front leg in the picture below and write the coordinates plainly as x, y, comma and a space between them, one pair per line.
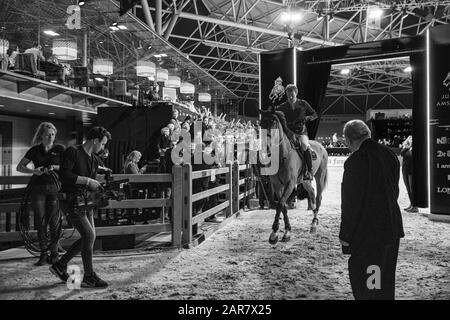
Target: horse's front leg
276, 224
287, 193
287, 226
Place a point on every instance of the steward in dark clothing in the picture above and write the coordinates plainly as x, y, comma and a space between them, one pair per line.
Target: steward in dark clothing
407, 172
371, 219
43, 187
41, 158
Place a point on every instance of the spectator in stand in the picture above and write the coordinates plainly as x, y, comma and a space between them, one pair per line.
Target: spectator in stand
407, 171
36, 50
175, 121
164, 145
131, 163
12, 57
186, 126
334, 139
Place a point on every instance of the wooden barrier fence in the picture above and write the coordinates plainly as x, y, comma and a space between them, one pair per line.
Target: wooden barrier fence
183, 223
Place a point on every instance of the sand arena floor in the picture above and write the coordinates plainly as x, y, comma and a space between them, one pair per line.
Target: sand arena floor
237, 262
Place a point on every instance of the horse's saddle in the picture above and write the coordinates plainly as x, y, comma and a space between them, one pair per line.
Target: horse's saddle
301, 154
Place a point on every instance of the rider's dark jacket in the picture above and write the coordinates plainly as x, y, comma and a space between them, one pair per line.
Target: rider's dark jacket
296, 117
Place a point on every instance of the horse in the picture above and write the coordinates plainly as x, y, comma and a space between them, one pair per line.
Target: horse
289, 173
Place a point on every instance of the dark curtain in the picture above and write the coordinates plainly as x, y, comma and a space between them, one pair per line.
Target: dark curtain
419, 132
312, 80
118, 150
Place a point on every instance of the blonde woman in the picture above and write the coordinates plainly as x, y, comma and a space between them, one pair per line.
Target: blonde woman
46, 157
130, 166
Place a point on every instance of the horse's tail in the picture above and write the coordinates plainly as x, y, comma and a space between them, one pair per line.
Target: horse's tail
325, 178
324, 165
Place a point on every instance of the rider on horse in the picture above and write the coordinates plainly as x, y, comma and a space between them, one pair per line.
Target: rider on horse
297, 113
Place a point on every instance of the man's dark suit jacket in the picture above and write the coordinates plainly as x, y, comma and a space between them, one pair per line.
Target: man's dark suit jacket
370, 188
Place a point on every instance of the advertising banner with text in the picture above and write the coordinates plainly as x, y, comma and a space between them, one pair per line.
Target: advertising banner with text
439, 90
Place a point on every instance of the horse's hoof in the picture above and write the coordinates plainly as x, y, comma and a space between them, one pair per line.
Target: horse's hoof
273, 240
285, 238
313, 229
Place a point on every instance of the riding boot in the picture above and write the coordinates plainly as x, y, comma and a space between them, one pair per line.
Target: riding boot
308, 160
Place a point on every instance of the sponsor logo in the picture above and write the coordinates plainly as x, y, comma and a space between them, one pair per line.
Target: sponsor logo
443, 140
444, 190
443, 154
446, 82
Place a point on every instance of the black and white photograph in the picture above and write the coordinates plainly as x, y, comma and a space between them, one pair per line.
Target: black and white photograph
226, 157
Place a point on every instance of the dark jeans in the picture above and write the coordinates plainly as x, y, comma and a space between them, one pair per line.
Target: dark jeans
407, 179
83, 222
383, 256
45, 206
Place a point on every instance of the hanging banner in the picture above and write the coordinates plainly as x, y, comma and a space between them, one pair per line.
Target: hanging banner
277, 70
439, 116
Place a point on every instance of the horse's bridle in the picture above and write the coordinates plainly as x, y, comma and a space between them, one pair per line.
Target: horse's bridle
278, 127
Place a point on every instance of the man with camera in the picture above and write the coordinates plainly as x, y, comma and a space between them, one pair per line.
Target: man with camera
78, 172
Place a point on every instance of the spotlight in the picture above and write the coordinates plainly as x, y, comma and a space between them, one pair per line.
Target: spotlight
345, 71
375, 13
81, 3
407, 69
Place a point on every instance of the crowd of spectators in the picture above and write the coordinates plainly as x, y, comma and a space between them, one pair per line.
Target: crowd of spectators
396, 142
215, 130
333, 142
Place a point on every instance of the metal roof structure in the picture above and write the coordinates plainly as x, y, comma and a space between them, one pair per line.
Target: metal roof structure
215, 43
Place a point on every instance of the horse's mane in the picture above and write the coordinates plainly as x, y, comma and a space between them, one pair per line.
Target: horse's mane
282, 119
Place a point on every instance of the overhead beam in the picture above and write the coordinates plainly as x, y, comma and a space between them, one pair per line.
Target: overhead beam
158, 17
223, 59
147, 14
228, 23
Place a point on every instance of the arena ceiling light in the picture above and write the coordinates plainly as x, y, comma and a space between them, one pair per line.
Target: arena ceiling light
407, 69
173, 82
291, 17
345, 71
51, 33
374, 12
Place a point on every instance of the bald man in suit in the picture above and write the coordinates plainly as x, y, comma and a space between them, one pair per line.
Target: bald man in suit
371, 221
